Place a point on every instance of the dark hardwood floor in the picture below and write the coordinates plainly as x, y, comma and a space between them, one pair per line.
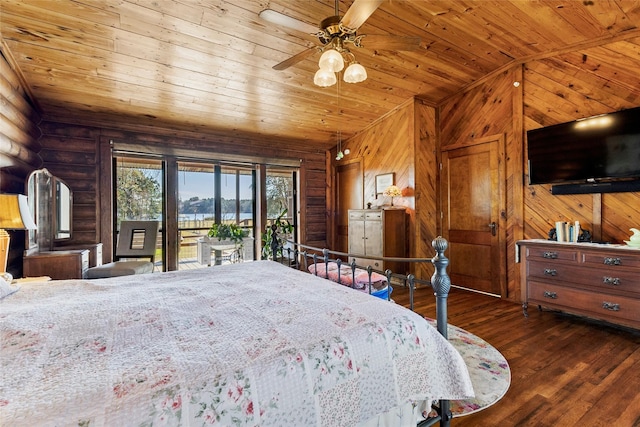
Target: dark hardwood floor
565, 370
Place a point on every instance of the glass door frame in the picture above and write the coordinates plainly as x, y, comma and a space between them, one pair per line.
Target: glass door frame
163, 200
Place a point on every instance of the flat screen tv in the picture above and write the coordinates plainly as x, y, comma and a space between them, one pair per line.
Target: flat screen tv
596, 151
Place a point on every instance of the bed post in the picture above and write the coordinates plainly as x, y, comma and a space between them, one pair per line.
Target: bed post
441, 283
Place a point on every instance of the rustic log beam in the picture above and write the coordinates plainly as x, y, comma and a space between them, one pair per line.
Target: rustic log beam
20, 151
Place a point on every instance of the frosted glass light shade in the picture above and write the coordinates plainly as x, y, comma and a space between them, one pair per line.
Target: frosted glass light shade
331, 60
355, 73
324, 78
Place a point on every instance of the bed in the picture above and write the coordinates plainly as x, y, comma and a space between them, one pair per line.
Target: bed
250, 344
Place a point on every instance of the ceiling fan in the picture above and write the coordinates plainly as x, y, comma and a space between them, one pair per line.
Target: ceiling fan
337, 33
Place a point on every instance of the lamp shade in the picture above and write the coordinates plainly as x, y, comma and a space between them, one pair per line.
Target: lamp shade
324, 78
15, 213
355, 73
331, 60
392, 191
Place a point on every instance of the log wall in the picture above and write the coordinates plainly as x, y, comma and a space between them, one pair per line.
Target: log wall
78, 154
19, 145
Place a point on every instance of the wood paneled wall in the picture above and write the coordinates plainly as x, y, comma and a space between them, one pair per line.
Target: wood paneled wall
552, 90
403, 142
568, 87
555, 89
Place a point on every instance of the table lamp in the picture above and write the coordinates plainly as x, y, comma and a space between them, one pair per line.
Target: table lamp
14, 215
392, 191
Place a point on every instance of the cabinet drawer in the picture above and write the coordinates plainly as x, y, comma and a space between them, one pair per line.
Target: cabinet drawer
611, 260
373, 216
356, 214
550, 253
610, 280
595, 304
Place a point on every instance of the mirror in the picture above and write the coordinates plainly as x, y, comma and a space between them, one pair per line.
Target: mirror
51, 203
63, 211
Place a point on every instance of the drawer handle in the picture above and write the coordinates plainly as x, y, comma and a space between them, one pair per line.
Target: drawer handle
611, 306
611, 280
612, 261
550, 255
550, 272
548, 294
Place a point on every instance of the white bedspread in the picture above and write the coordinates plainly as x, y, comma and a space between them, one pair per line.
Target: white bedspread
239, 345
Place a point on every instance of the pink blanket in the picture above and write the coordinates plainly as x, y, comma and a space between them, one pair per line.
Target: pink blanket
344, 275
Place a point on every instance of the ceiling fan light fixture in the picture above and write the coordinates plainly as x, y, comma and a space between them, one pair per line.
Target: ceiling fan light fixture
355, 73
324, 78
331, 60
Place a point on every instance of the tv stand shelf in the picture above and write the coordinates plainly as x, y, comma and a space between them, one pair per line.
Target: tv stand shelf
589, 279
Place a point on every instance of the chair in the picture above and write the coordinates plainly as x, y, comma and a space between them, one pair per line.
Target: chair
137, 239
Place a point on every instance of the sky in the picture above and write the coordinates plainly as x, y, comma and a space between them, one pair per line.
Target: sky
200, 184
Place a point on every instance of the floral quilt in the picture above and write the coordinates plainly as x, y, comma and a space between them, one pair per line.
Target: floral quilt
250, 344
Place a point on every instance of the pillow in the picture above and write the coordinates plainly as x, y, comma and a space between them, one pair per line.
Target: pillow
7, 288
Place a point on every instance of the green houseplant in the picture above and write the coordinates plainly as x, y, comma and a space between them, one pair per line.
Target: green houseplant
230, 232
283, 229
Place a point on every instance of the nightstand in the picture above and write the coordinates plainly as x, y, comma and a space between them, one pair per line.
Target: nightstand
70, 264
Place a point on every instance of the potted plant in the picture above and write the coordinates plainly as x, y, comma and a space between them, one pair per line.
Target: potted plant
228, 233
283, 229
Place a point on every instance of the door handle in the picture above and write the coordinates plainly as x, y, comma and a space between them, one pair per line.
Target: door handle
493, 226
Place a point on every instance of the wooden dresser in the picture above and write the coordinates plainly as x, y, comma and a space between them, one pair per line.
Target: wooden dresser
589, 279
378, 233
70, 264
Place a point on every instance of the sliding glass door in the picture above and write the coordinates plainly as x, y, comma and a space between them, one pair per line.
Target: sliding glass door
213, 194
138, 195
189, 196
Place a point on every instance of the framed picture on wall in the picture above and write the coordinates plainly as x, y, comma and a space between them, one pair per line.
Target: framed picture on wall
383, 181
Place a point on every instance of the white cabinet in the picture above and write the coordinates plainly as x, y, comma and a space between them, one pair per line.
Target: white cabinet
378, 233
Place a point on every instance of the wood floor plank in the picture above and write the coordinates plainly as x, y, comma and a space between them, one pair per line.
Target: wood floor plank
566, 370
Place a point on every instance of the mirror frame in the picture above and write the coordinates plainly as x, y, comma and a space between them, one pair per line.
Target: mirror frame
44, 202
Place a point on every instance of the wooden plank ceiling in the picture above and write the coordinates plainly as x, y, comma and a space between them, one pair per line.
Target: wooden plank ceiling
206, 65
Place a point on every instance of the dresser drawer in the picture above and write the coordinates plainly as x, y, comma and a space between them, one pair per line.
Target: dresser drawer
612, 260
550, 254
594, 304
356, 214
552, 271
611, 280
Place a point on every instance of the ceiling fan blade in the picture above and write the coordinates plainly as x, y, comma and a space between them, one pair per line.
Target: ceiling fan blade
295, 59
283, 20
359, 12
390, 42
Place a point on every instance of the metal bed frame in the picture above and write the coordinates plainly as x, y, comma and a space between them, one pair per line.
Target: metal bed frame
297, 255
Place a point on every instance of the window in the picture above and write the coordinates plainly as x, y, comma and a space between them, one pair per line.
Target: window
188, 196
